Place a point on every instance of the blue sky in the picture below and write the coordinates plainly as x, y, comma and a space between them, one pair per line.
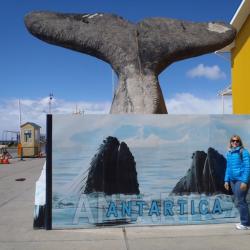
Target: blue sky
31, 69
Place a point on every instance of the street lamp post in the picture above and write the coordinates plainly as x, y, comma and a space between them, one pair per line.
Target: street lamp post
50, 101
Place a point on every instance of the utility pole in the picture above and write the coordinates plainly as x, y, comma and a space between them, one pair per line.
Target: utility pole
20, 120
20, 147
20, 113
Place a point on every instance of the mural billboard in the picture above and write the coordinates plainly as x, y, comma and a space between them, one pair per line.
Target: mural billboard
142, 169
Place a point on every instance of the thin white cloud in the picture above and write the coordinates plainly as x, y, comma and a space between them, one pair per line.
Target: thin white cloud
212, 73
34, 110
186, 103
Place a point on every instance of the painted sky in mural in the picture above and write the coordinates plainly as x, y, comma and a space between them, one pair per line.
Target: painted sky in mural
151, 131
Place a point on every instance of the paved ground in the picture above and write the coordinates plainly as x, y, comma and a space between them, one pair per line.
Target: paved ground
16, 218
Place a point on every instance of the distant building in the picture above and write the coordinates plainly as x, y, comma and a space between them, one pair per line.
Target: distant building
30, 139
240, 59
225, 92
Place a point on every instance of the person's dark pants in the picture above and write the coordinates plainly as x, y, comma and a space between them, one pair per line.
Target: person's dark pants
242, 205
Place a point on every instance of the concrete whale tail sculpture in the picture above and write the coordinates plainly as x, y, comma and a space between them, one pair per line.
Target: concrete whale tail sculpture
138, 53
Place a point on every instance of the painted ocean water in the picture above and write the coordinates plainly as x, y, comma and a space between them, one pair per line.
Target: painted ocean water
154, 176
156, 181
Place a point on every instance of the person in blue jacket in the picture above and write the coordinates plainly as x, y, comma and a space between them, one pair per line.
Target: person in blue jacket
238, 177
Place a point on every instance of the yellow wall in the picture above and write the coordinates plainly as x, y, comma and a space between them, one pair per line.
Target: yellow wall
241, 70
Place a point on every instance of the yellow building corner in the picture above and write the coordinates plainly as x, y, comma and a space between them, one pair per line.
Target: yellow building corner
240, 59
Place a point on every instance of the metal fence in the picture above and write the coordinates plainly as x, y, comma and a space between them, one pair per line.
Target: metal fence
13, 151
